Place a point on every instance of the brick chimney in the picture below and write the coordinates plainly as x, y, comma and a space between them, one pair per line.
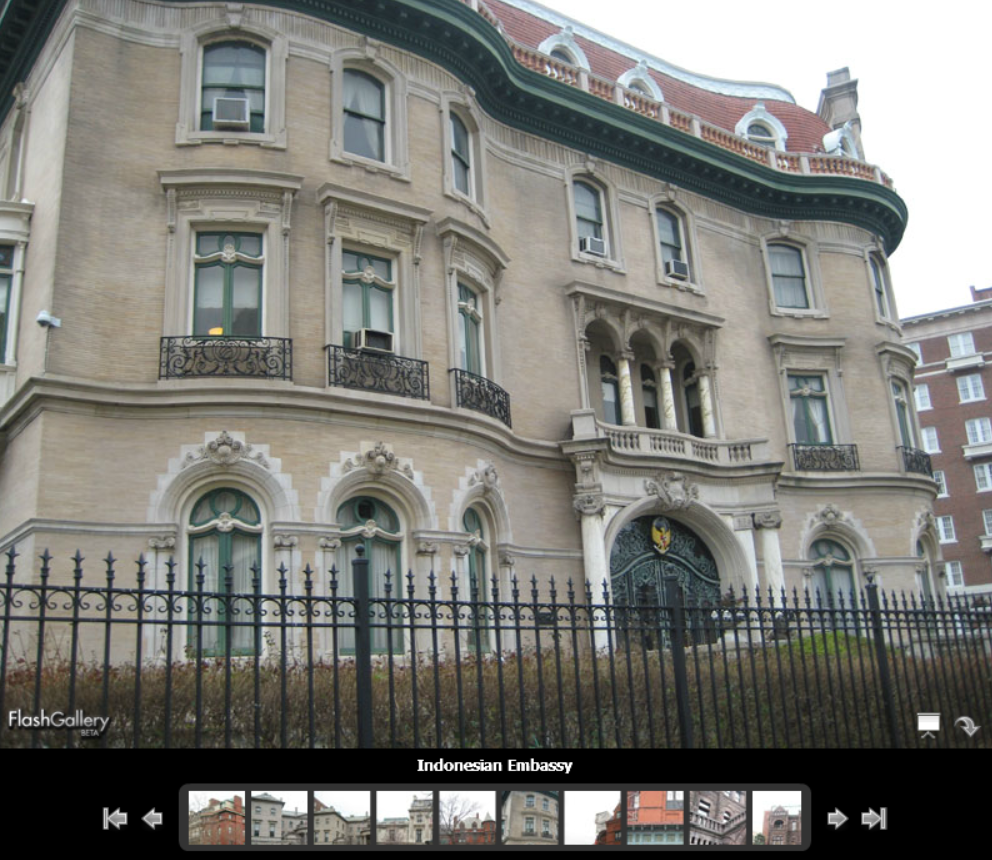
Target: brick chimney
839, 103
237, 803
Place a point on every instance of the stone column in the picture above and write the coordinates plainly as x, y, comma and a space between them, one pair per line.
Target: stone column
743, 531
154, 641
507, 635
590, 507
669, 421
427, 559
706, 406
285, 548
327, 560
768, 524
627, 416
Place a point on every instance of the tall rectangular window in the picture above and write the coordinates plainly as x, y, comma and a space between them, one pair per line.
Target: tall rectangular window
961, 344
945, 528
902, 415
6, 277
228, 285
987, 519
670, 235
470, 330
983, 477
878, 282
588, 211
461, 156
921, 393
930, 442
970, 388
788, 276
955, 575
232, 94
810, 416
364, 115
918, 350
979, 431
938, 476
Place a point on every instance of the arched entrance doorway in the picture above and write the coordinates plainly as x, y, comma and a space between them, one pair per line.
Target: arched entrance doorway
648, 550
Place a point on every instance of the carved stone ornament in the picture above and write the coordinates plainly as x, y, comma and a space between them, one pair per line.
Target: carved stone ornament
674, 491
330, 543
285, 541
428, 547
507, 560
925, 522
165, 542
225, 451
377, 461
589, 504
488, 477
225, 522
461, 550
767, 520
370, 529
830, 515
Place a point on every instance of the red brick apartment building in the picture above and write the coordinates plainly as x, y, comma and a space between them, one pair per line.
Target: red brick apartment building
611, 832
655, 817
223, 822
953, 387
471, 831
783, 826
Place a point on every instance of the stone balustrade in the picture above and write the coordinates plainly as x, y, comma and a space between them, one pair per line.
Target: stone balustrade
801, 163
668, 443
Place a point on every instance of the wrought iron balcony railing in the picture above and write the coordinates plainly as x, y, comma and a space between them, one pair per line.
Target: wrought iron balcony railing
382, 372
481, 394
915, 460
258, 357
826, 458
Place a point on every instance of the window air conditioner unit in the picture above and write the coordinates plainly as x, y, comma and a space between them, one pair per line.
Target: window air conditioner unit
231, 113
592, 245
367, 338
677, 269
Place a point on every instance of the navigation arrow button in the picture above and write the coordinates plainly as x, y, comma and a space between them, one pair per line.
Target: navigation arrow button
836, 818
153, 819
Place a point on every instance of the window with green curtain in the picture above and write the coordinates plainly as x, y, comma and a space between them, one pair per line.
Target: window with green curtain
225, 533
461, 156
233, 70
810, 416
588, 210
469, 330
788, 276
611, 390
833, 572
228, 285
383, 553
670, 234
368, 293
478, 578
6, 279
364, 115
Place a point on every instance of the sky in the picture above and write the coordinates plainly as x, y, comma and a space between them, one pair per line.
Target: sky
762, 801
396, 804
921, 78
581, 808
348, 803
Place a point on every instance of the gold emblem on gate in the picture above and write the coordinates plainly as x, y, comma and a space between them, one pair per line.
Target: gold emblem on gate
661, 534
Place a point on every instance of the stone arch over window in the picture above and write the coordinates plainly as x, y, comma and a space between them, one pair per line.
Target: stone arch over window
829, 521
357, 74
773, 132
686, 374
602, 343
562, 46
639, 80
192, 44
464, 156
832, 576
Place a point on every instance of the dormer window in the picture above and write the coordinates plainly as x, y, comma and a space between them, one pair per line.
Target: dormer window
759, 133
760, 126
563, 56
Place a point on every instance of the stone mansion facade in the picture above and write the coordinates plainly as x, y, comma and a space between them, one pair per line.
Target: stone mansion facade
466, 284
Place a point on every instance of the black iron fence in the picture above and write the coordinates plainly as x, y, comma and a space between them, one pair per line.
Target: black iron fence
915, 460
482, 395
425, 664
383, 372
826, 458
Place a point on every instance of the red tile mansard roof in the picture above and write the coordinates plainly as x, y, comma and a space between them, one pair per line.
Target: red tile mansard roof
712, 100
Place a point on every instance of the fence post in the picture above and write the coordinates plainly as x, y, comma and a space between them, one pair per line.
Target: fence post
673, 600
363, 647
881, 654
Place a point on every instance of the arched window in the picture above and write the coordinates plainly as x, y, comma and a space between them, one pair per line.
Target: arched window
232, 94
461, 156
758, 132
788, 276
563, 56
588, 213
670, 236
611, 390
880, 286
649, 393
693, 406
833, 573
225, 532
364, 115
368, 522
478, 578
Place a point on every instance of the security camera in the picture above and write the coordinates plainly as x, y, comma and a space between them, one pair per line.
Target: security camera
46, 320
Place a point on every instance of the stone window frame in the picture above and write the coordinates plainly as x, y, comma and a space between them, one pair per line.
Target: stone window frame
384, 227
15, 231
472, 258
217, 199
876, 254
232, 27
564, 41
810, 251
809, 355
610, 208
687, 228
897, 363
367, 59
760, 114
461, 106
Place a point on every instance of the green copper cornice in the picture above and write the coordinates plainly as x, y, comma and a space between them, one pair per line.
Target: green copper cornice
454, 36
